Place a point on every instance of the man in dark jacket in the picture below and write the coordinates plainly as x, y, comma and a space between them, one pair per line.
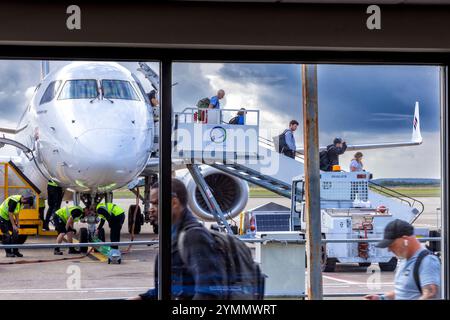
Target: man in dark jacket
334, 151
203, 275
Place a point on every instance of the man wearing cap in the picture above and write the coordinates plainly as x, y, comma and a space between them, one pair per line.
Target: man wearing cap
9, 220
334, 151
418, 276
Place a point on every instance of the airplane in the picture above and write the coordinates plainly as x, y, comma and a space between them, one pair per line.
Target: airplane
89, 127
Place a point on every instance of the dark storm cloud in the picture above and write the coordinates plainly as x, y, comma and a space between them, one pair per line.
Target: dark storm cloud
377, 98
192, 85
280, 87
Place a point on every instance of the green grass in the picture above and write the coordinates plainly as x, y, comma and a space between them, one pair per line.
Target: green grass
258, 192
124, 194
255, 192
419, 191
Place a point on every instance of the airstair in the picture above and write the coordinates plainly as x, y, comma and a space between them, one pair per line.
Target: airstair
274, 178
256, 162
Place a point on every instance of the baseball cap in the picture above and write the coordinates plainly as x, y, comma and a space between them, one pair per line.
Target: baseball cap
394, 230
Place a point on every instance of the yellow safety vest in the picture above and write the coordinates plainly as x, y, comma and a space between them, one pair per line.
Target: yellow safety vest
4, 207
110, 208
41, 203
66, 212
52, 183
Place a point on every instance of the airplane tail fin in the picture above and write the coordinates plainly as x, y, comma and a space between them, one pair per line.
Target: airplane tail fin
416, 135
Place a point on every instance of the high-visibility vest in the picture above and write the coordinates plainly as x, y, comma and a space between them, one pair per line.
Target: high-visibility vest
52, 183
66, 212
41, 203
4, 207
110, 208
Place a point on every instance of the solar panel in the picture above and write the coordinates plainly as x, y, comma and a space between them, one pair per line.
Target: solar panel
273, 222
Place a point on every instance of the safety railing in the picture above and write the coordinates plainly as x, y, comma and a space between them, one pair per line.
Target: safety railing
153, 242
413, 203
268, 143
247, 240
216, 116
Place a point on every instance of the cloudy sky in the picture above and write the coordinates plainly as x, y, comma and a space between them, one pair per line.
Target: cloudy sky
362, 104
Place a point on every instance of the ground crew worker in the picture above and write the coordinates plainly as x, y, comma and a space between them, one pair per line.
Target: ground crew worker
9, 220
115, 216
54, 198
64, 220
41, 209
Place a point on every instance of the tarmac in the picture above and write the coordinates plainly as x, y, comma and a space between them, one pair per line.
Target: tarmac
92, 278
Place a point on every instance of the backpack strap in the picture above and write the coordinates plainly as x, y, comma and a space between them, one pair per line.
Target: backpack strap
416, 275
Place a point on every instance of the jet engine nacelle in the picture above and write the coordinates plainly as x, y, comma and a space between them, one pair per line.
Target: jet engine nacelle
231, 193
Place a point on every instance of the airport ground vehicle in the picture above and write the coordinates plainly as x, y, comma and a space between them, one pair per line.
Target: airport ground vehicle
351, 210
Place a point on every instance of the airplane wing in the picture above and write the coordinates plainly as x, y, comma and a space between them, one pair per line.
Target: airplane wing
416, 138
12, 131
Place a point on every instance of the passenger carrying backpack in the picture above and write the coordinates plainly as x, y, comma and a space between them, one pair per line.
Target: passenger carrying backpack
203, 103
280, 142
244, 278
416, 276
324, 161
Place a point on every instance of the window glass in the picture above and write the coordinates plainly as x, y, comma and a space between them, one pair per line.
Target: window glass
79, 89
50, 92
118, 89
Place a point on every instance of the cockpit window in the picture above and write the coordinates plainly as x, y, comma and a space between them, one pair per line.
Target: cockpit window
118, 89
50, 92
79, 89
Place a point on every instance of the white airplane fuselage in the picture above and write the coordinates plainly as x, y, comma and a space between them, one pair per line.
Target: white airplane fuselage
84, 142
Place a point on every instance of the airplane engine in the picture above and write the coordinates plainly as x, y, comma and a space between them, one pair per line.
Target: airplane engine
231, 193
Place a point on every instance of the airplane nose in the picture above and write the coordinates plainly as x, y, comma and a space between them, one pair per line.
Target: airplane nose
107, 156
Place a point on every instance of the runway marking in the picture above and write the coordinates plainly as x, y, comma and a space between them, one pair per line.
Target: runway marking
340, 280
358, 283
100, 257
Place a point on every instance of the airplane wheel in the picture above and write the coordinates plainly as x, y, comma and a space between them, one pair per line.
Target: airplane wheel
83, 239
391, 265
364, 264
109, 261
139, 219
327, 264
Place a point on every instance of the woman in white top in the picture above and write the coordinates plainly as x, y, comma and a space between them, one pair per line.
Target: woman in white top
356, 163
